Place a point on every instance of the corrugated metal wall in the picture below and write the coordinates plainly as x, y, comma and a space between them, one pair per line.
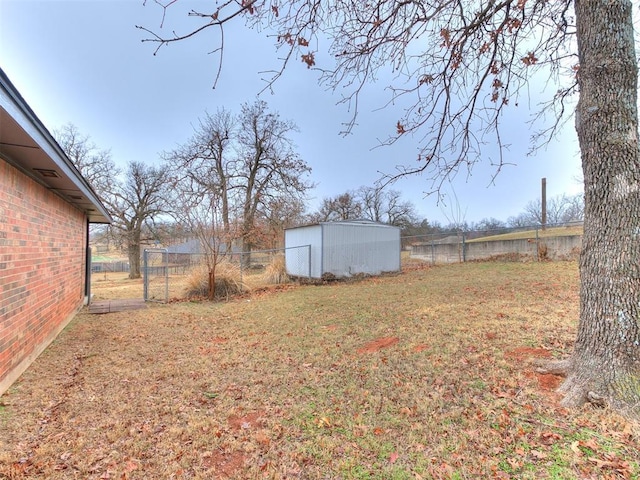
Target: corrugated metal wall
297, 237
353, 248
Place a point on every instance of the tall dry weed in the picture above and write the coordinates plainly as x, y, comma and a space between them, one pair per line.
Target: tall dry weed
228, 282
276, 271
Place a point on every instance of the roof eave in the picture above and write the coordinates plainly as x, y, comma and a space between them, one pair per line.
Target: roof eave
26, 144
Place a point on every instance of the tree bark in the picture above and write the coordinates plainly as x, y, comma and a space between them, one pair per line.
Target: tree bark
133, 251
606, 358
212, 283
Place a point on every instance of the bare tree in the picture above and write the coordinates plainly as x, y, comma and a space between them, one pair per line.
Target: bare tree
244, 170
204, 166
95, 165
268, 169
466, 63
134, 203
279, 214
202, 181
345, 206
521, 220
561, 208
488, 225
197, 208
574, 211
386, 206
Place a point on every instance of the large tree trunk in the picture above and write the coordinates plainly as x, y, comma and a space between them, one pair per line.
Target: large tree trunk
133, 251
605, 366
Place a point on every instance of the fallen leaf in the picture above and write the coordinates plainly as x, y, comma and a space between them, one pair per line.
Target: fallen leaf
324, 422
576, 449
262, 438
514, 463
393, 457
538, 454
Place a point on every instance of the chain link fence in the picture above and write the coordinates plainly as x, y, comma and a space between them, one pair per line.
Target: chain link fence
114, 266
170, 275
553, 242
155, 274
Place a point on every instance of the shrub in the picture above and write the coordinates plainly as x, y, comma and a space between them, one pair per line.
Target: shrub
543, 252
228, 282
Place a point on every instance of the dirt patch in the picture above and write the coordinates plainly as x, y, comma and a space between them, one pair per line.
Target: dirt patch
248, 421
523, 353
224, 464
378, 344
548, 381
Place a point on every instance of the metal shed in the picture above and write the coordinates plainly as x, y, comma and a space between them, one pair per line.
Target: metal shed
343, 249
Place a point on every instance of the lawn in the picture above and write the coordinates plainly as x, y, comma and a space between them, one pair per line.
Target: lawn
548, 232
426, 374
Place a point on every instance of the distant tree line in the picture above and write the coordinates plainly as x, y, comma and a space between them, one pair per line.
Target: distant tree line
387, 206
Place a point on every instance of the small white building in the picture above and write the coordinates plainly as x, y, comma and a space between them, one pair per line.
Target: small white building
342, 249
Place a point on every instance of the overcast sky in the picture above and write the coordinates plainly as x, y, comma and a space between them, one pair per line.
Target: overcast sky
83, 62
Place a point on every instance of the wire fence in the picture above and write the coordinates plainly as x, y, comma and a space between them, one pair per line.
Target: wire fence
155, 275
168, 275
557, 241
114, 266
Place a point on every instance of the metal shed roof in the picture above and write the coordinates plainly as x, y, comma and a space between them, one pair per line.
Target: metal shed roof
26, 144
358, 221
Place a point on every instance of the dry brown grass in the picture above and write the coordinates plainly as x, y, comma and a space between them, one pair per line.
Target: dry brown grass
421, 375
111, 286
197, 282
548, 232
228, 282
276, 271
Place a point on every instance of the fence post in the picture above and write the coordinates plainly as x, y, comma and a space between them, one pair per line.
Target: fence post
145, 275
433, 252
537, 245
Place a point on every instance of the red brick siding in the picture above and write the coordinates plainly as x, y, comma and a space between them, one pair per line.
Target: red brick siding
42, 267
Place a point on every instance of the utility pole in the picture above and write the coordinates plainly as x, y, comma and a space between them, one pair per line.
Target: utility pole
544, 204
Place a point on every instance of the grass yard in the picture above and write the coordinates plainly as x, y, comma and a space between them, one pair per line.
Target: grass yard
115, 285
549, 232
423, 375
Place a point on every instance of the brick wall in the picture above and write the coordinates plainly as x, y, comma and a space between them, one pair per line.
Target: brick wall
42, 269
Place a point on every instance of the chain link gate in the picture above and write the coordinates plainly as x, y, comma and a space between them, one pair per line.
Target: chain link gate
156, 275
